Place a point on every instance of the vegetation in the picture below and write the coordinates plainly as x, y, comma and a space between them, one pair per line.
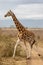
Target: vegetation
7, 43
8, 40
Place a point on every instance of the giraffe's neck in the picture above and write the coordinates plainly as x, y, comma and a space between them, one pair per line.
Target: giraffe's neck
19, 26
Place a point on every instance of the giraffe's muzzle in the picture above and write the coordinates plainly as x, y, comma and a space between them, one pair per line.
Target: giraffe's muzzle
5, 15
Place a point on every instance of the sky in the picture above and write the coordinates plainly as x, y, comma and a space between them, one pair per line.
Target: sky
28, 12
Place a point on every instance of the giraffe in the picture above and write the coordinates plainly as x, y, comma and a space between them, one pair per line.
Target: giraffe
28, 37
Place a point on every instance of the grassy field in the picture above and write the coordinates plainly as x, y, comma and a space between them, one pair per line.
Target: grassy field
8, 38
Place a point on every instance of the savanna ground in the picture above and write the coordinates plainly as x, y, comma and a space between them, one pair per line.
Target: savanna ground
8, 39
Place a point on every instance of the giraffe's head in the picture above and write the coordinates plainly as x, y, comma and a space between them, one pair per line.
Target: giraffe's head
9, 13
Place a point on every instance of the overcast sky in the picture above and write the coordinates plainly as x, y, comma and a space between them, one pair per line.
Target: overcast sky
22, 1
23, 9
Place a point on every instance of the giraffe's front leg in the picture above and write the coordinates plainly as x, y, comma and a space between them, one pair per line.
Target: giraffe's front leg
18, 41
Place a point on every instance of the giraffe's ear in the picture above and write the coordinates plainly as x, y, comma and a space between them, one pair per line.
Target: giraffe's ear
10, 11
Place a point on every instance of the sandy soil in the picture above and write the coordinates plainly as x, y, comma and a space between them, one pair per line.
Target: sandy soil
35, 60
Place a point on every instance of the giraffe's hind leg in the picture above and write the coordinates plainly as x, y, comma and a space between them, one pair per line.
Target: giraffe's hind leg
28, 50
18, 42
26, 46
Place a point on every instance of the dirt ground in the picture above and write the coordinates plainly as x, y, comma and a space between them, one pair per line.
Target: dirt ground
7, 42
22, 61
35, 60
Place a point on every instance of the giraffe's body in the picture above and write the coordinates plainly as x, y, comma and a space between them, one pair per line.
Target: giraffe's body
28, 36
24, 34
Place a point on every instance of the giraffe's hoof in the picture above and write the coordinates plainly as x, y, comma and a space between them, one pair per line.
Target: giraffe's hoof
28, 58
13, 57
39, 55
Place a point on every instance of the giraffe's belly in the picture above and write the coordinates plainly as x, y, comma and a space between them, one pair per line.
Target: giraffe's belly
28, 38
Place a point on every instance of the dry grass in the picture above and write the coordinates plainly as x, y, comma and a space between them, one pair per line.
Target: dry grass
7, 43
